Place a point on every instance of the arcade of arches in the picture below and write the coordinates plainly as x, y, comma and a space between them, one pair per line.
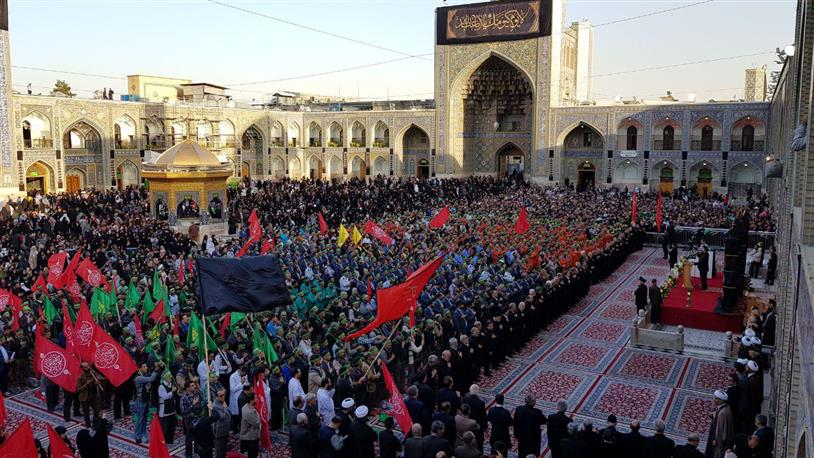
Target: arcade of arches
416, 152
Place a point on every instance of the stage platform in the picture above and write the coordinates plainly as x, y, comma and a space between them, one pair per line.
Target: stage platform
701, 313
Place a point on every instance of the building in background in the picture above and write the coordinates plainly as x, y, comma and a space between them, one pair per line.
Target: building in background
754, 86
507, 99
155, 88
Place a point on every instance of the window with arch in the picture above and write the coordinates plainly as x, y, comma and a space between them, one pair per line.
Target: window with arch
706, 138
748, 138
37, 131
632, 137
381, 134
314, 135
667, 138
277, 134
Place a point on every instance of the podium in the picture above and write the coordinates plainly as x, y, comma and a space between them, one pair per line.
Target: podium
687, 273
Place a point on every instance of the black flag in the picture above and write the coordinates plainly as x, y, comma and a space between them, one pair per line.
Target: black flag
247, 284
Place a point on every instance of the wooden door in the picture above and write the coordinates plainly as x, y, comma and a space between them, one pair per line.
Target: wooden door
72, 183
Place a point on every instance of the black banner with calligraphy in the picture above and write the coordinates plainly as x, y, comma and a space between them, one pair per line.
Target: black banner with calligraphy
493, 21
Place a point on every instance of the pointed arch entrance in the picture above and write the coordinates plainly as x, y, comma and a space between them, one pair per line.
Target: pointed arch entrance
509, 160
492, 105
586, 176
127, 175
39, 177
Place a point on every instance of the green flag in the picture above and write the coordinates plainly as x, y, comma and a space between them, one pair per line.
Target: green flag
234, 319
133, 297
148, 304
49, 310
169, 351
98, 302
71, 312
261, 341
195, 337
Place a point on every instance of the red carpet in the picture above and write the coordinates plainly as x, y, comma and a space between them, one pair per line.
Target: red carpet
700, 314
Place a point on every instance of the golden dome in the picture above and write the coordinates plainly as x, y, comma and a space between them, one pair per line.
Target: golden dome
187, 154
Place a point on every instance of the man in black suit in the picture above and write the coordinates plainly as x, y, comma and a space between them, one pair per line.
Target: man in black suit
416, 408
690, 449
641, 295
765, 434
673, 255
435, 442
557, 429
703, 265
389, 445
477, 412
654, 293
501, 421
633, 442
527, 422
571, 446
659, 445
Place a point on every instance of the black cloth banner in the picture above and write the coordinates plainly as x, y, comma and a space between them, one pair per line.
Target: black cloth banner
247, 284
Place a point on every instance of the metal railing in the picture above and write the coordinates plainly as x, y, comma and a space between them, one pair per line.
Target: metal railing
737, 145
661, 145
37, 143
713, 237
698, 145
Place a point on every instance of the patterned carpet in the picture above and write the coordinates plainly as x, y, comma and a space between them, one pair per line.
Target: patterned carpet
583, 357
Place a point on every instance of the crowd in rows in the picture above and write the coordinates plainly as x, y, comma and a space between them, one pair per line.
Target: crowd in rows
494, 283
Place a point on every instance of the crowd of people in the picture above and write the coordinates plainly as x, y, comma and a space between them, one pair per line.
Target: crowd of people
495, 290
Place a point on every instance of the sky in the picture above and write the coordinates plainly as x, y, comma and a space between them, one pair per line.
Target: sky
205, 41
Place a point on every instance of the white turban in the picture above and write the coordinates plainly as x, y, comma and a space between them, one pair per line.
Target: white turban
721, 395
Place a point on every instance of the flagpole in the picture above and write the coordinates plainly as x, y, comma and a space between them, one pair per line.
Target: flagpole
205, 344
395, 326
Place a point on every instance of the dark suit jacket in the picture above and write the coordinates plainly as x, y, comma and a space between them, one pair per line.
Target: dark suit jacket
468, 451
641, 296
557, 429
389, 446
659, 446
574, 448
477, 409
431, 445
418, 413
766, 436
501, 420
687, 451
633, 443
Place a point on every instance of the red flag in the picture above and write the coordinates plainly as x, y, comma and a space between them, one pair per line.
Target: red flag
83, 331
225, 325
40, 283
91, 274
158, 446
158, 314
7, 298
55, 363
139, 333
374, 230
77, 256
3, 413
441, 218
263, 412
369, 288
55, 268
658, 213
522, 224
323, 226
397, 301
397, 407
181, 272
245, 248
111, 359
265, 247
255, 233
71, 285
67, 330
20, 443
59, 449
635, 207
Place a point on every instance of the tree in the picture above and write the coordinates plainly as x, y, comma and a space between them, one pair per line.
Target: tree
61, 87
